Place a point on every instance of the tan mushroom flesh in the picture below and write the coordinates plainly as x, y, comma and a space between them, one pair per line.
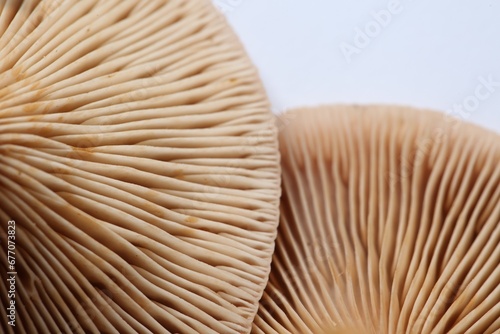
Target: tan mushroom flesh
390, 223
138, 159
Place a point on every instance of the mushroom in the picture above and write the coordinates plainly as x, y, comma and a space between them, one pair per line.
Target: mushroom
390, 223
139, 162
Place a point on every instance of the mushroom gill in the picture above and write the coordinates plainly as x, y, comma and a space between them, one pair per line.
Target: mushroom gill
138, 158
390, 223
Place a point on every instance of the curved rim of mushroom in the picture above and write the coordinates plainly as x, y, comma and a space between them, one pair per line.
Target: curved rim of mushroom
138, 157
389, 224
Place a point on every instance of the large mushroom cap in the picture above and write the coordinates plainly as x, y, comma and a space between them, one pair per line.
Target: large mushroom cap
138, 158
390, 223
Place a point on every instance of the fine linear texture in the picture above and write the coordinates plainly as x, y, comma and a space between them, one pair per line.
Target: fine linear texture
390, 223
139, 160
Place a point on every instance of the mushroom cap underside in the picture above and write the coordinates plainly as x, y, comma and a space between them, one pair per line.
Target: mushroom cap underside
390, 223
138, 159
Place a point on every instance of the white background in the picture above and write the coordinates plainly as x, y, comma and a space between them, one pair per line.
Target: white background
422, 53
